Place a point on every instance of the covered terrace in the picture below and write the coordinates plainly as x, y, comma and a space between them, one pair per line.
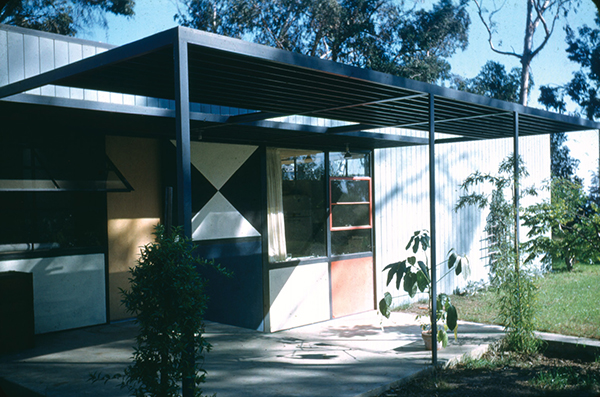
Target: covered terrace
190, 67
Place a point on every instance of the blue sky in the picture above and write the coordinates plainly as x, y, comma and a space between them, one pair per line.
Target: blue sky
550, 67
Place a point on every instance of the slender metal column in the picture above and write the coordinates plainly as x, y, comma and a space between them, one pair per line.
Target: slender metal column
182, 111
184, 175
516, 190
432, 194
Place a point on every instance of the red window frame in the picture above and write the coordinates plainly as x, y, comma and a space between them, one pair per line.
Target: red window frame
369, 203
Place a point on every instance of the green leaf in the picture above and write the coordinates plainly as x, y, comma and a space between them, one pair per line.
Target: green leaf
410, 283
385, 304
422, 281
395, 269
425, 271
425, 242
400, 270
458, 269
442, 336
452, 259
416, 245
411, 241
451, 317
392, 270
412, 260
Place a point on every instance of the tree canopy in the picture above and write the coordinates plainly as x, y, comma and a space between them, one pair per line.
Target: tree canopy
562, 165
65, 17
493, 81
583, 47
381, 35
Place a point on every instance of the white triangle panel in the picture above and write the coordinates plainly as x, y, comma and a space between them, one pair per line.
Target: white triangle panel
219, 219
217, 161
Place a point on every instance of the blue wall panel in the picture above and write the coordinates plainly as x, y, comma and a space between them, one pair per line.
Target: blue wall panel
237, 300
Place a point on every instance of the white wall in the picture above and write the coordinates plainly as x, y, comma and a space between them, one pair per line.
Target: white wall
402, 200
299, 295
68, 291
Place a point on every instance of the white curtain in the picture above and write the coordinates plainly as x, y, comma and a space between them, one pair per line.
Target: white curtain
275, 220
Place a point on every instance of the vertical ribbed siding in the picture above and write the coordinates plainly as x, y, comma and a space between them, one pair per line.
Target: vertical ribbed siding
25, 53
402, 200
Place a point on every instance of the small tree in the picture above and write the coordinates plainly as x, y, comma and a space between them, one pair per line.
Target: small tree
168, 297
417, 274
515, 285
500, 223
573, 220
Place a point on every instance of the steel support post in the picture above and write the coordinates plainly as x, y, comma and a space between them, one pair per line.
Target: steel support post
182, 111
516, 189
184, 175
432, 227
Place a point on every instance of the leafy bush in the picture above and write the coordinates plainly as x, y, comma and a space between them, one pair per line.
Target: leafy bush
517, 311
500, 222
168, 297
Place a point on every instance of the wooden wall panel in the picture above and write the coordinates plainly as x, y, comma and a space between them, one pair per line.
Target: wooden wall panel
131, 216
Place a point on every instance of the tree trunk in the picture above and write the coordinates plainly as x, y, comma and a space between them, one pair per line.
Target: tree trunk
526, 57
569, 262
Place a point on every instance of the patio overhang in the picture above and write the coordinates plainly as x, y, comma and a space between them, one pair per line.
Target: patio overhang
270, 84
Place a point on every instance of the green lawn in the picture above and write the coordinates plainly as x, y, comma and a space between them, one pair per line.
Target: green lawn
569, 303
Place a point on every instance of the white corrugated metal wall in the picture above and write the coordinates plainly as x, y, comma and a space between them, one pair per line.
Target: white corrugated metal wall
402, 201
25, 53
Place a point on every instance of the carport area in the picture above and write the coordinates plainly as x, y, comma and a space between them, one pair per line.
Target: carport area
359, 355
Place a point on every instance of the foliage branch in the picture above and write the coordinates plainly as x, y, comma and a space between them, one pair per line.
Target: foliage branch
65, 17
566, 227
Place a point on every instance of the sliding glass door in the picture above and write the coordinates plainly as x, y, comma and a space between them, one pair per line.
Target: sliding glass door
320, 224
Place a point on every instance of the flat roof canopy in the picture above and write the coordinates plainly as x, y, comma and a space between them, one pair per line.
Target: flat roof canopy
271, 83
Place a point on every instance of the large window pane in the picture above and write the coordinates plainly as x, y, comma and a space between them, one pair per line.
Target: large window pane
304, 202
34, 220
50, 220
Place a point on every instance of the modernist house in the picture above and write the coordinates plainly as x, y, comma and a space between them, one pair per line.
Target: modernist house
305, 177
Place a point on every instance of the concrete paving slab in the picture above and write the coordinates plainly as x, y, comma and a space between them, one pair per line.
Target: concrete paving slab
352, 356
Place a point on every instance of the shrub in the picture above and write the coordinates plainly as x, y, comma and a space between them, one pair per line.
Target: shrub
168, 297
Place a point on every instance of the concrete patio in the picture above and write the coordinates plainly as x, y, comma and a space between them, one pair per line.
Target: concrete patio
358, 355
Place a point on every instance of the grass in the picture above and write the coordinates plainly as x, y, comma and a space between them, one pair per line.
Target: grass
561, 378
569, 303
